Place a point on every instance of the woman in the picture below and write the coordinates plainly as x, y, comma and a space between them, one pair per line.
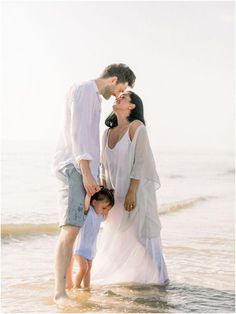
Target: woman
129, 249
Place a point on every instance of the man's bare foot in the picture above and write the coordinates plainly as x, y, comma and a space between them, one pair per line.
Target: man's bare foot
64, 301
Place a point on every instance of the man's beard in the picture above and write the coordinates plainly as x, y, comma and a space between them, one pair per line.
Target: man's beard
107, 93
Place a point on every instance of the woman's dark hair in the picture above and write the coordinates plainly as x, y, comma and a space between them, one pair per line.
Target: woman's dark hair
135, 114
123, 72
104, 195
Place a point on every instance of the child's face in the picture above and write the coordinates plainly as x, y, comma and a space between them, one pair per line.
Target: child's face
101, 207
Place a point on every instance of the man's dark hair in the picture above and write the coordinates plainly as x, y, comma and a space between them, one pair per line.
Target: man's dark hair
123, 72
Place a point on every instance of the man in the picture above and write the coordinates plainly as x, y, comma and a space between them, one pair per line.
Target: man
77, 160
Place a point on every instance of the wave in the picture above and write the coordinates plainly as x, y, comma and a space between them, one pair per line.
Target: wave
175, 176
53, 228
229, 172
179, 205
21, 229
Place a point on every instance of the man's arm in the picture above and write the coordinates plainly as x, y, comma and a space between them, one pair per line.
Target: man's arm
82, 141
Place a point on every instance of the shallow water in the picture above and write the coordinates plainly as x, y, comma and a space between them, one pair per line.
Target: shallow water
197, 215
200, 265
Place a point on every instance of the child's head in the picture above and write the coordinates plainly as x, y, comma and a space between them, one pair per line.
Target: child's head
103, 200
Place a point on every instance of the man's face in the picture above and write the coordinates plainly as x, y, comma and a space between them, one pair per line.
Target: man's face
114, 90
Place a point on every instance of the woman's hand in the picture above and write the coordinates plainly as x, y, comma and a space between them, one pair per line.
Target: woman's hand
130, 200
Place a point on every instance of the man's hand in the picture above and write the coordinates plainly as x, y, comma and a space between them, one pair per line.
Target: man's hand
90, 184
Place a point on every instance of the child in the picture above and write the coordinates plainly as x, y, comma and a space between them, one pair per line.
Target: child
85, 245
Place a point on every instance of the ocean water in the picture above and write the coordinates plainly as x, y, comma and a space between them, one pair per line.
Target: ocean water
196, 206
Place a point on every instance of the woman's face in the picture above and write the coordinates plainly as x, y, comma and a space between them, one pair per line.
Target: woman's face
122, 102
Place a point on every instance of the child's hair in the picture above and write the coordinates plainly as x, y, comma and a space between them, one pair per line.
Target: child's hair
104, 195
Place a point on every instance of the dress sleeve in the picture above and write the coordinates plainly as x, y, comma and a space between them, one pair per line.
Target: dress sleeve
82, 123
143, 168
144, 164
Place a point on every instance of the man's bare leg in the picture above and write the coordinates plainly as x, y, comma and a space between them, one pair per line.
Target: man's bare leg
62, 260
69, 274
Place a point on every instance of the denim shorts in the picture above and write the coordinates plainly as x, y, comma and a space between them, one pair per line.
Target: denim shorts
71, 196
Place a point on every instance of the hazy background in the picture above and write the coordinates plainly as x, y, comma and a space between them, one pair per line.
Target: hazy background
181, 52
183, 56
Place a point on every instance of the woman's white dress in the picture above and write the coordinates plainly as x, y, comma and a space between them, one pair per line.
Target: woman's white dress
129, 248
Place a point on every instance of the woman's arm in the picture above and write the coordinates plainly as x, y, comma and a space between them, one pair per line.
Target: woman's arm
130, 199
103, 183
133, 127
102, 162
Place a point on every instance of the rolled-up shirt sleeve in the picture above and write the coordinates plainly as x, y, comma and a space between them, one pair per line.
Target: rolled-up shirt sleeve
81, 124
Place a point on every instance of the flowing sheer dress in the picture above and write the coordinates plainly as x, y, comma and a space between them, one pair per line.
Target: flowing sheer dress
129, 248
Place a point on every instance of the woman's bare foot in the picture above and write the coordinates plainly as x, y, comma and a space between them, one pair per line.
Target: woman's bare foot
86, 288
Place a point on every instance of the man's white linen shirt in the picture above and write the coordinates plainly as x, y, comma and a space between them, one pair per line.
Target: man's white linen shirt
79, 139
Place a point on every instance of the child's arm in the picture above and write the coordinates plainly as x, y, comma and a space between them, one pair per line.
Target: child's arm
86, 204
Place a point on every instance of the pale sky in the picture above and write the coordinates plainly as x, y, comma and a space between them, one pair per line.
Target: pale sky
181, 52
